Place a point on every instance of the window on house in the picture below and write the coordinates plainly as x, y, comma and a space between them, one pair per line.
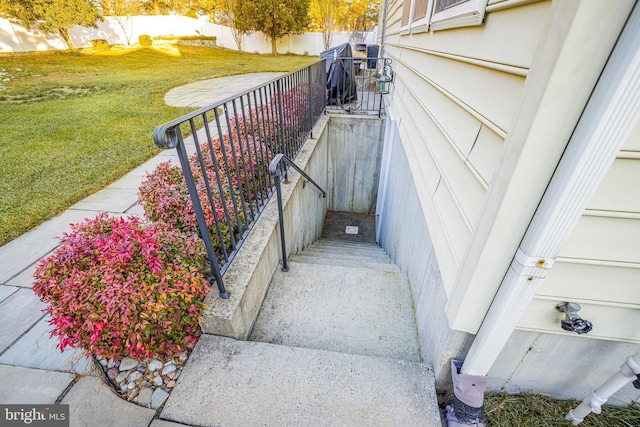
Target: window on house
446, 4
457, 13
422, 15
406, 14
415, 15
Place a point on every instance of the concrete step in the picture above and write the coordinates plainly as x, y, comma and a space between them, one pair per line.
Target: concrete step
239, 383
339, 244
371, 251
353, 255
342, 309
360, 263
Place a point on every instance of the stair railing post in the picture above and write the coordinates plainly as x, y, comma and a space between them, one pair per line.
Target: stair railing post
285, 268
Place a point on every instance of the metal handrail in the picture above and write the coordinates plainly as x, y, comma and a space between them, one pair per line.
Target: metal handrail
354, 83
277, 171
229, 180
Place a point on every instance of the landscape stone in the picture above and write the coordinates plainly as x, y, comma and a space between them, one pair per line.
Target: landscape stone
169, 367
113, 373
127, 363
154, 365
134, 376
158, 398
122, 376
144, 398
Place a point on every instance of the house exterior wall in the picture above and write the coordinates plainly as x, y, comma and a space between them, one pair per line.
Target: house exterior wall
455, 95
599, 266
406, 239
482, 115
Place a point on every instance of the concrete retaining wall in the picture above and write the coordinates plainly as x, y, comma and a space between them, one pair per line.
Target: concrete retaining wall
355, 150
403, 233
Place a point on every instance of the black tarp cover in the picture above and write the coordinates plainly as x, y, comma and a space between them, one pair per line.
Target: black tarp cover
341, 74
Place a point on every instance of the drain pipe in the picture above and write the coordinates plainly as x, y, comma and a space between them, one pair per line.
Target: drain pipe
629, 371
384, 27
607, 122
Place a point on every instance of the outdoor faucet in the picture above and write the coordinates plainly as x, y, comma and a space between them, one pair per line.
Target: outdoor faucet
572, 321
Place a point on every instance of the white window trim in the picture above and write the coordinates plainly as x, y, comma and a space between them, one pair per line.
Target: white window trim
463, 15
419, 25
405, 29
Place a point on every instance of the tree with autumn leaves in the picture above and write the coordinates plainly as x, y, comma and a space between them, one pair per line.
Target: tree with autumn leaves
51, 16
275, 18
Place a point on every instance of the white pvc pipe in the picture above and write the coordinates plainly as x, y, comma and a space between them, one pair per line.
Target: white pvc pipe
594, 401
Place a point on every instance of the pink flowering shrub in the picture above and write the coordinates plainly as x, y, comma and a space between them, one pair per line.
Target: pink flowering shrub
165, 197
119, 286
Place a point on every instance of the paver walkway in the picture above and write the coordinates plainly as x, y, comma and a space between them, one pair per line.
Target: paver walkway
32, 370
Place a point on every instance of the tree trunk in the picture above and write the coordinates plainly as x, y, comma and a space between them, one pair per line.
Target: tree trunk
65, 36
273, 45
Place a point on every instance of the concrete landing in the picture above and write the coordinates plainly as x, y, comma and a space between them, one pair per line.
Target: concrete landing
239, 383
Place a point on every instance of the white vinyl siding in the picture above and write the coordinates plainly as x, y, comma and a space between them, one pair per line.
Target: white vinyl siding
599, 266
454, 97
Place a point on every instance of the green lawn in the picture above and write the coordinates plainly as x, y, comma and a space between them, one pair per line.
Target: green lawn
71, 123
529, 410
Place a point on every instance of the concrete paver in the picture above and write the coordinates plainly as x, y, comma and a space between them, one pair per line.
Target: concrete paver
207, 92
36, 349
92, 403
32, 386
17, 313
22, 252
108, 200
6, 291
25, 279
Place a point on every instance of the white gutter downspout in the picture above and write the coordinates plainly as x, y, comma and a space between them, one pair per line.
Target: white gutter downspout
609, 118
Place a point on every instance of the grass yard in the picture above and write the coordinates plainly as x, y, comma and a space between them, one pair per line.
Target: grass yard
529, 410
72, 123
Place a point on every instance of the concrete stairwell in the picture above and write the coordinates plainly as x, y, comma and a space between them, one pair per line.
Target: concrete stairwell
335, 344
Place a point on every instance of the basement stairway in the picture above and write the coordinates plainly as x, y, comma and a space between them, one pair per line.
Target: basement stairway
335, 344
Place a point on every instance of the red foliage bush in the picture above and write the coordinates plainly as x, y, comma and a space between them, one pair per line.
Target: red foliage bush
239, 157
118, 286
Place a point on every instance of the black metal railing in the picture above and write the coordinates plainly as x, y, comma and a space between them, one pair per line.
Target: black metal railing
225, 150
278, 170
354, 84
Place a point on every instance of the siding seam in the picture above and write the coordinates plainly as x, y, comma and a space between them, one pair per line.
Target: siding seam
482, 119
632, 155
453, 146
598, 262
581, 301
509, 69
611, 214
